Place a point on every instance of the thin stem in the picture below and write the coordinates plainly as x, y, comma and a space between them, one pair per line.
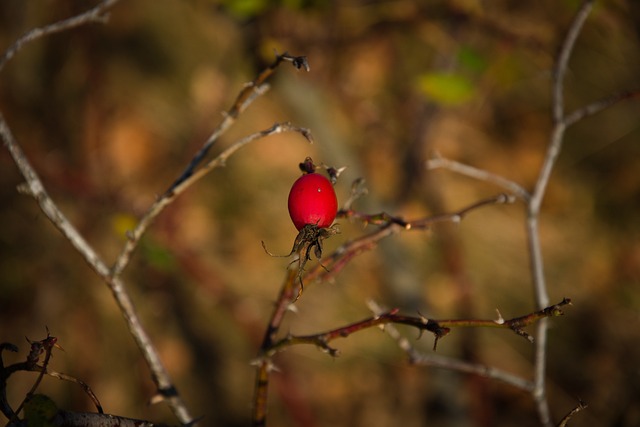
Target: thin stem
389, 225
558, 104
247, 95
563, 59
479, 174
264, 365
98, 14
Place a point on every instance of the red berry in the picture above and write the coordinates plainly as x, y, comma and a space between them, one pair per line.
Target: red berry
312, 200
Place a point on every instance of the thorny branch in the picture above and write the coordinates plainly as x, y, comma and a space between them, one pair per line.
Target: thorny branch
439, 328
32, 364
388, 225
39, 409
434, 360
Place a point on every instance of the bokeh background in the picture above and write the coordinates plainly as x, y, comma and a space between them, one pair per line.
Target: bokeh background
110, 115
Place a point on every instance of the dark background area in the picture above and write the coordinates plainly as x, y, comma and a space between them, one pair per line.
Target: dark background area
109, 115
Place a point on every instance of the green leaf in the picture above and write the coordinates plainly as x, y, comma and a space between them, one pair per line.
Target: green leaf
246, 8
39, 411
471, 59
159, 257
446, 88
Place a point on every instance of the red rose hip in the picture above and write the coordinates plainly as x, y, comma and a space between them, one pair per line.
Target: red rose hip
312, 200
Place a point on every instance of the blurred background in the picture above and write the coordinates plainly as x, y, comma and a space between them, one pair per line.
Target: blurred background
110, 115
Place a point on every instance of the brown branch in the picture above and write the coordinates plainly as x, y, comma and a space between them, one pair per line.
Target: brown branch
264, 365
439, 327
83, 419
30, 364
62, 418
389, 225
565, 420
85, 387
437, 361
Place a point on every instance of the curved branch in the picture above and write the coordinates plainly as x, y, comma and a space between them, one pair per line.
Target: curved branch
34, 187
96, 15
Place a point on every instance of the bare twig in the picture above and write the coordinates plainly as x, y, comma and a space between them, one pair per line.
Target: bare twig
164, 201
191, 174
600, 105
34, 187
562, 62
559, 119
98, 14
480, 174
246, 96
533, 207
85, 387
